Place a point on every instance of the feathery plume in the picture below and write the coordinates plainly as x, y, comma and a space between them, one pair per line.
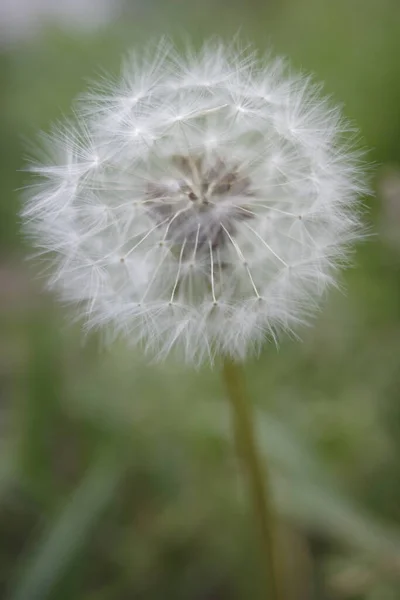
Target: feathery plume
202, 202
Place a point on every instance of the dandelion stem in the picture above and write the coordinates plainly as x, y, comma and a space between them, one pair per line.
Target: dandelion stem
257, 475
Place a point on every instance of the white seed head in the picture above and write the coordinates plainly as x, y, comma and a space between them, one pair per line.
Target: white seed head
202, 202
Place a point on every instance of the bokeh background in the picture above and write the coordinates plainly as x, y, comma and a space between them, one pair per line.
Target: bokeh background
118, 479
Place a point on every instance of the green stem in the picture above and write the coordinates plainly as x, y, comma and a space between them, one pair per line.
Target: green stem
256, 471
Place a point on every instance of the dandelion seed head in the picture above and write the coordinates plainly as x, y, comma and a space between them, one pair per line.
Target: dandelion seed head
202, 203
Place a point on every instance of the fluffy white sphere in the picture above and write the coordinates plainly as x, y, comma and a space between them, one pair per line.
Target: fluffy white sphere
202, 202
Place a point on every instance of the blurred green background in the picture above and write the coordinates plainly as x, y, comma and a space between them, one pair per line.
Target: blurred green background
118, 479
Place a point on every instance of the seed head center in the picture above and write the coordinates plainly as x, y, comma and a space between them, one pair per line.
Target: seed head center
203, 203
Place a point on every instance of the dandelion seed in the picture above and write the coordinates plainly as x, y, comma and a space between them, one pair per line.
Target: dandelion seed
203, 203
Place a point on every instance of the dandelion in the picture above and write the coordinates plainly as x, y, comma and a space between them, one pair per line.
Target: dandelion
202, 203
